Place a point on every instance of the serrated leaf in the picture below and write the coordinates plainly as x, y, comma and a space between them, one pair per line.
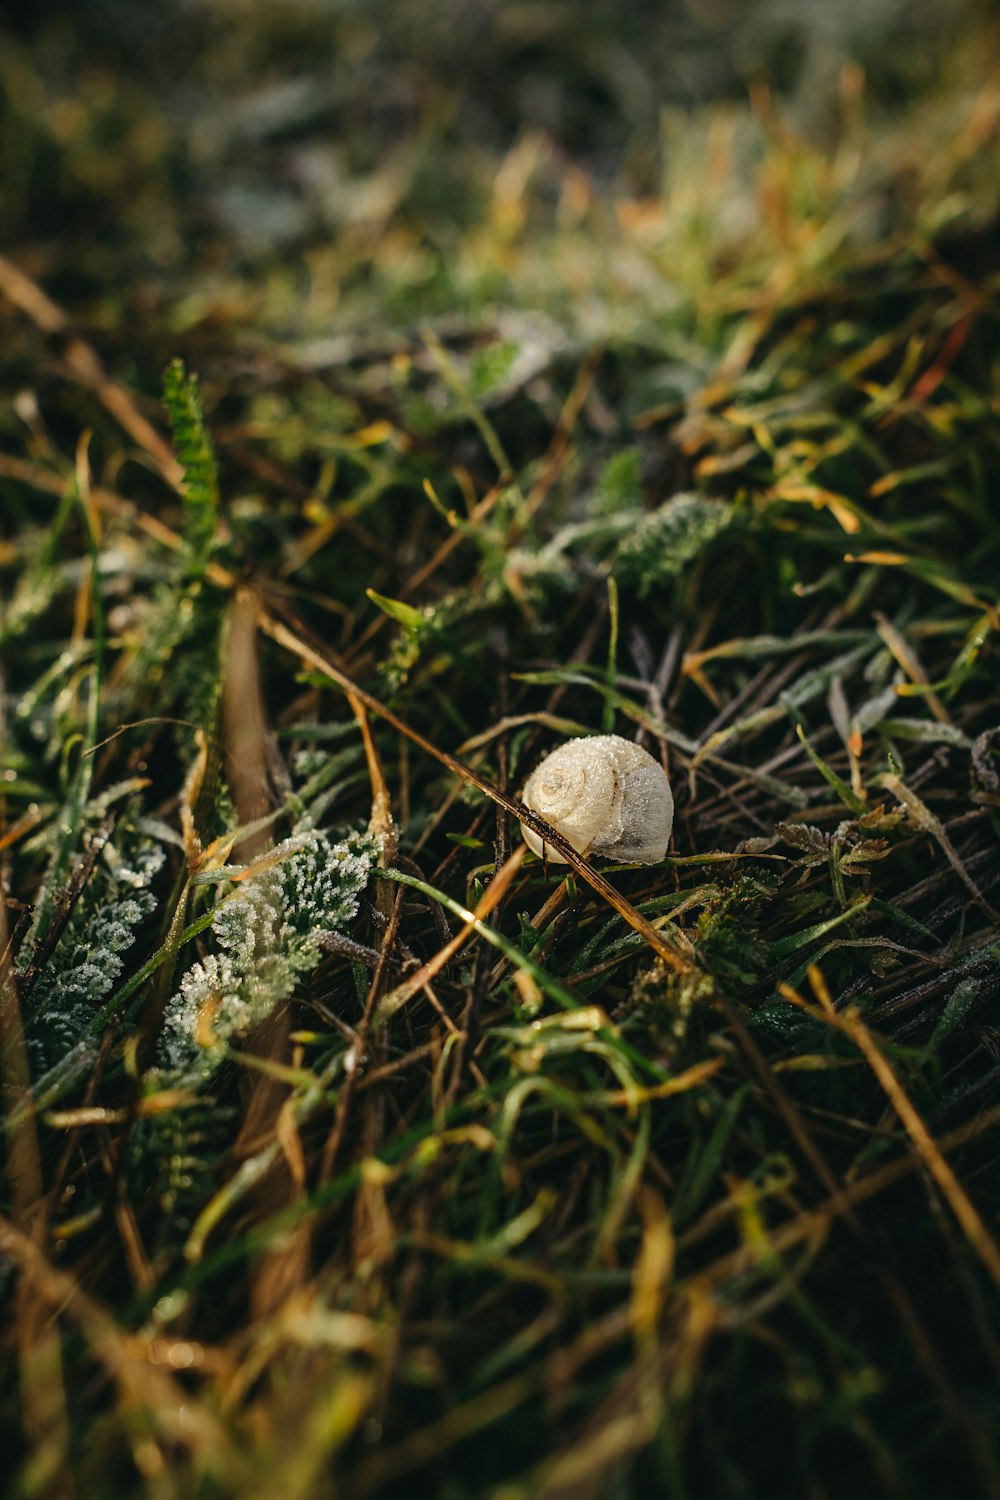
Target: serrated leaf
197, 456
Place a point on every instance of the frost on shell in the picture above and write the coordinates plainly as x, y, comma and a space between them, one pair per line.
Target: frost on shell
606, 796
267, 934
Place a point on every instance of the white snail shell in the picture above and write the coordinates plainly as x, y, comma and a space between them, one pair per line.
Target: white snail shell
606, 796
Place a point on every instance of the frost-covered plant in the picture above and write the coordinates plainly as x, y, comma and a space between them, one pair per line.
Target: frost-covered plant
309, 762
87, 962
664, 543
268, 932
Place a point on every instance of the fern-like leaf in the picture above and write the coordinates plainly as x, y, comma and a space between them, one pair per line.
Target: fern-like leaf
664, 543
197, 456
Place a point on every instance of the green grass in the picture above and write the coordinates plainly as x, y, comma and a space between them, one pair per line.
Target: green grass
386, 398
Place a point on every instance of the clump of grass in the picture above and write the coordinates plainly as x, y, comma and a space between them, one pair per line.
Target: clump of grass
348, 1147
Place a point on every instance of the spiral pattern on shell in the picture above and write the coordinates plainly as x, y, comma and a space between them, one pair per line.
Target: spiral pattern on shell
606, 796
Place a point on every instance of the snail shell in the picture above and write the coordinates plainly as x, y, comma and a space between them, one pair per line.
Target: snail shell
606, 796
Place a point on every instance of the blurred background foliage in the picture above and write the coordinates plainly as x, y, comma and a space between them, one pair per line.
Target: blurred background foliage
151, 141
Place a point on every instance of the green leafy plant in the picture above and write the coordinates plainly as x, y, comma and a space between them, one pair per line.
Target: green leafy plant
194, 450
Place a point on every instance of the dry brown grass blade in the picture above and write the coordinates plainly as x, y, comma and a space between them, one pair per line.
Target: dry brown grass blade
381, 823
925, 820
900, 648
654, 1264
373, 1233
559, 451
176, 1415
336, 1135
46, 482
782, 1103
494, 893
628, 1418
851, 1024
282, 1270
618, 1431
836, 1206
930, 1153
373, 1230
814, 1224
245, 726
691, 1078
83, 364
294, 640
842, 1204
437, 1438
193, 782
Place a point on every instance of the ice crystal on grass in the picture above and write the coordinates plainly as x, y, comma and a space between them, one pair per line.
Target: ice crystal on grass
322, 882
267, 933
309, 762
